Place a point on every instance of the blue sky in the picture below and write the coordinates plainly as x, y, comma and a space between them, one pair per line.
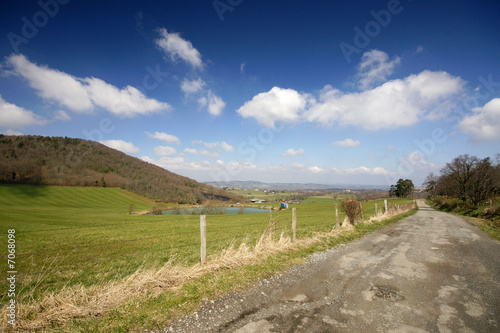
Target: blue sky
360, 92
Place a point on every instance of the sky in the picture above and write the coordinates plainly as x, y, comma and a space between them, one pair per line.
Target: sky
331, 92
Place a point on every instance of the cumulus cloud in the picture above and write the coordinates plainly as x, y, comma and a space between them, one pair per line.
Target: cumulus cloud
176, 48
396, 103
123, 146
375, 68
165, 151
275, 106
13, 116
203, 152
226, 147
82, 94
346, 143
317, 169
292, 152
61, 115
361, 170
215, 146
178, 163
190, 87
215, 104
484, 123
11, 132
165, 137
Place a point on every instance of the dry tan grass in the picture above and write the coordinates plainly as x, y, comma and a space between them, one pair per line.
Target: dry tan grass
96, 300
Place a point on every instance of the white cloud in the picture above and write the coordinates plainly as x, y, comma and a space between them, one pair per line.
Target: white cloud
277, 105
13, 116
176, 47
396, 103
484, 123
361, 170
346, 143
226, 147
52, 84
242, 67
165, 151
127, 102
82, 95
192, 87
125, 147
215, 104
215, 146
292, 152
316, 169
167, 138
203, 152
375, 68
61, 115
178, 163
11, 132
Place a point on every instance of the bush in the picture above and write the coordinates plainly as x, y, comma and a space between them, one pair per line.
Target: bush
351, 208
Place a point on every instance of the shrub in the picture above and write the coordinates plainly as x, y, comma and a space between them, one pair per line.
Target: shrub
351, 208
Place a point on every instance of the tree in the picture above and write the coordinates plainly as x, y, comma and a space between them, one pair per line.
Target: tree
469, 178
459, 172
431, 183
402, 189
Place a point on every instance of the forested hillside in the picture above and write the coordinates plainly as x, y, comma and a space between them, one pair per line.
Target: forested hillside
76, 162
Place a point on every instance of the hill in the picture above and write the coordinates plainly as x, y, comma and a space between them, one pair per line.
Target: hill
76, 162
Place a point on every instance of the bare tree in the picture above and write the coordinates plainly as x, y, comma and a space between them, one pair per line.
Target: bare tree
460, 171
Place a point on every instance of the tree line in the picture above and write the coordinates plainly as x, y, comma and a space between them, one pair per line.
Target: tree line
471, 179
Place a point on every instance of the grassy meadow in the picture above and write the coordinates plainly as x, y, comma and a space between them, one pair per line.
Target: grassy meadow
68, 236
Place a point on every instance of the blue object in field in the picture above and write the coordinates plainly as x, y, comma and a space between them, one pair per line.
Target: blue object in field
284, 205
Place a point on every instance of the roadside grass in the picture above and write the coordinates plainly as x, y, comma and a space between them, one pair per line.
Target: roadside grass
69, 237
473, 215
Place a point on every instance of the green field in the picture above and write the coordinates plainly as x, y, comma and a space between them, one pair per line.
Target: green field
84, 236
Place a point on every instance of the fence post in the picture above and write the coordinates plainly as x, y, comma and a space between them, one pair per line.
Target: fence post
376, 211
294, 223
361, 211
385, 206
491, 204
337, 224
203, 232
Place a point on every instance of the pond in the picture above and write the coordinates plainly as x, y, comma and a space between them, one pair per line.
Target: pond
215, 211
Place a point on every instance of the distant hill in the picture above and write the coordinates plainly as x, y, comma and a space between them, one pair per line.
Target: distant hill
251, 185
76, 162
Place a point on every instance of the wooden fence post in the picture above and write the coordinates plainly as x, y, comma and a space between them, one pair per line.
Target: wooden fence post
294, 223
385, 206
361, 211
376, 211
203, 232
337, 223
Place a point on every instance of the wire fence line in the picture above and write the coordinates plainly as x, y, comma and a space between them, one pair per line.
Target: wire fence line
220, 234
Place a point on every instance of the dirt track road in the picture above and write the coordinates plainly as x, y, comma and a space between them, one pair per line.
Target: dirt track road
432, 272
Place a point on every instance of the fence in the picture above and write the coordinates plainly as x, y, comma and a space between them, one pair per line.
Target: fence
59, 256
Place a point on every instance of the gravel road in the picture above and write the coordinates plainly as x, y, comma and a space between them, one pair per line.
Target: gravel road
431, 272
